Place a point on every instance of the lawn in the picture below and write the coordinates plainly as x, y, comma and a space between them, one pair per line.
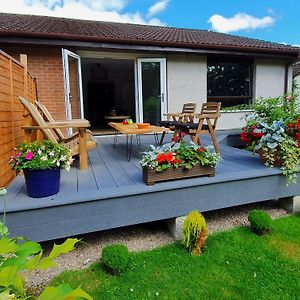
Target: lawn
237, 264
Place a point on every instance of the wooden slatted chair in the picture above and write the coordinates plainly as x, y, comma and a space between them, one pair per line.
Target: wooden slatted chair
186, 115
48, 118
208, 117
79, 143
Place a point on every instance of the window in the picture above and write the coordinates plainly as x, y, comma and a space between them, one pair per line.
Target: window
229, 83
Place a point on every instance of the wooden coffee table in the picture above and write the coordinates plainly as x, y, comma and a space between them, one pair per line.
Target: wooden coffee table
132, 129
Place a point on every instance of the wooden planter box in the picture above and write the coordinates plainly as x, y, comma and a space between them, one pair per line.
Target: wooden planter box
151, 176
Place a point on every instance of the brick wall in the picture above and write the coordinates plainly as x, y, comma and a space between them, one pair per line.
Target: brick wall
45, 64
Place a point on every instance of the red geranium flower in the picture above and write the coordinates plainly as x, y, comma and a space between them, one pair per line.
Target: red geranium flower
201, 149
298, 144
298, 124
297, 136
291, 125
244, 137
169, 156
161, 158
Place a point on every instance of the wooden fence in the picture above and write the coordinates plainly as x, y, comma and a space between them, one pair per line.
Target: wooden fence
14, 81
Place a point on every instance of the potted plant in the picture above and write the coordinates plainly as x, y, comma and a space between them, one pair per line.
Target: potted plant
178, 160
273, 131
41, 162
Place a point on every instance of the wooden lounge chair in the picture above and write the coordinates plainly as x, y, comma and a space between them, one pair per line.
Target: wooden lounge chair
79, 143
208, 117
48, 118
173, 118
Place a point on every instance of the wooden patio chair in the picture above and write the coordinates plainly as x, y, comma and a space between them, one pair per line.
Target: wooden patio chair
79, 143
208, 117
48, 118
186, 115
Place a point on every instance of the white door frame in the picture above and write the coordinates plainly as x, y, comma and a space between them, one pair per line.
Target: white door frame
163, 87
65, 58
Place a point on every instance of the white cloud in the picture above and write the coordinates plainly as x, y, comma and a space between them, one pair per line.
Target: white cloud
99, 10
238, 22
158, 7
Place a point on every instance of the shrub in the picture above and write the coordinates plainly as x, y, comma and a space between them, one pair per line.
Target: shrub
260, 221
194, 232
115, 257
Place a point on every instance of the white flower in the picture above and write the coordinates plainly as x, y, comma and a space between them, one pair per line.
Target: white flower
63, 158
44, 158
58, 163
39, 152
52, 153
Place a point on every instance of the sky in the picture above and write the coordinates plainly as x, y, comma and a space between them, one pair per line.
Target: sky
271, 20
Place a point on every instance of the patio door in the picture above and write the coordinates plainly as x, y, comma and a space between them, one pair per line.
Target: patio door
151, 82
73, 85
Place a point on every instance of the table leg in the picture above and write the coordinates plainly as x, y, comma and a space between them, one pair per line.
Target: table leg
115, 140
138, 140
156, 139
128, 147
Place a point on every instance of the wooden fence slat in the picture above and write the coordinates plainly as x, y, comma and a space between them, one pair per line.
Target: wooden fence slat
14, 81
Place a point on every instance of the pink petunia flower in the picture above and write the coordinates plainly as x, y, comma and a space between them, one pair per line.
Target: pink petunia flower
29, 155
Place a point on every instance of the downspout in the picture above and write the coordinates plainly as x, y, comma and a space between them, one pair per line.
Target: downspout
286, 78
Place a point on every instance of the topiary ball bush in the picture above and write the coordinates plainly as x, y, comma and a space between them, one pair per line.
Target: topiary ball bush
115, 258
260, 221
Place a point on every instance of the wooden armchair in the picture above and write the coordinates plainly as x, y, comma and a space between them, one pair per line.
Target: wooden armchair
186, 115
208, 117
78, 143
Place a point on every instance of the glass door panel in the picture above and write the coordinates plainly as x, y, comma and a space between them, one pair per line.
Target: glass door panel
73, 85
151, 82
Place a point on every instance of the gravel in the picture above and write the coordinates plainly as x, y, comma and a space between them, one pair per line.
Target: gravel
140, 237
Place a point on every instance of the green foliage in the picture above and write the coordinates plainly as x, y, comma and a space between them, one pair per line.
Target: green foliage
19, 254
260, 221
177, 155
194, 232
274, 132
115, 257
40, 155
236, 265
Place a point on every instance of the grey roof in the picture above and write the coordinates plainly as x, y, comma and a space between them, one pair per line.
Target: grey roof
120, 33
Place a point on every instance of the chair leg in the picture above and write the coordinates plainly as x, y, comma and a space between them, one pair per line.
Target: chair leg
215, 142
162, 138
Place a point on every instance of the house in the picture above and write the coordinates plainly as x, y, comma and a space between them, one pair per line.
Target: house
97, 69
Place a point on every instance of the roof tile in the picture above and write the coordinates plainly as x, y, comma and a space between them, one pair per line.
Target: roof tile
73, 29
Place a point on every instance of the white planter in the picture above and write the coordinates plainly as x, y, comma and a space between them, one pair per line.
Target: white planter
232, 119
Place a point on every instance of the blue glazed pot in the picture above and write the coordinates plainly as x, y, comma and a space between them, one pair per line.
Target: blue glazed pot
42, 183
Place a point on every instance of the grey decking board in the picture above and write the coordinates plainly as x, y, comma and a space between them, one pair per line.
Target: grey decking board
86, 180
109, 156
128, 210
102, 175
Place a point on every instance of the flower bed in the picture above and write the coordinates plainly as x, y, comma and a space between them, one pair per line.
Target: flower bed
178, 160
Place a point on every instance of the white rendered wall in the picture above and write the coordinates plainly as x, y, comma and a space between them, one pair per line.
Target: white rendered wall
186, 81
297, 79
269, 78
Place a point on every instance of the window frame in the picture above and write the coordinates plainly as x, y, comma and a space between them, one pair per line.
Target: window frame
249, 63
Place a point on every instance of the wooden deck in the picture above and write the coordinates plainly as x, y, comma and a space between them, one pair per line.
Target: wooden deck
111, 192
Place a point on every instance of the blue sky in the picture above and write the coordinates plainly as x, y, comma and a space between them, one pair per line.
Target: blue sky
272, 20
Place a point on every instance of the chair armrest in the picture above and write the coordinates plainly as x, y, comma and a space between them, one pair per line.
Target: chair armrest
63, 124
210, 116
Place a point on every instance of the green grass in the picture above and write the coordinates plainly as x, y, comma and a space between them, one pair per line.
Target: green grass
236, 264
